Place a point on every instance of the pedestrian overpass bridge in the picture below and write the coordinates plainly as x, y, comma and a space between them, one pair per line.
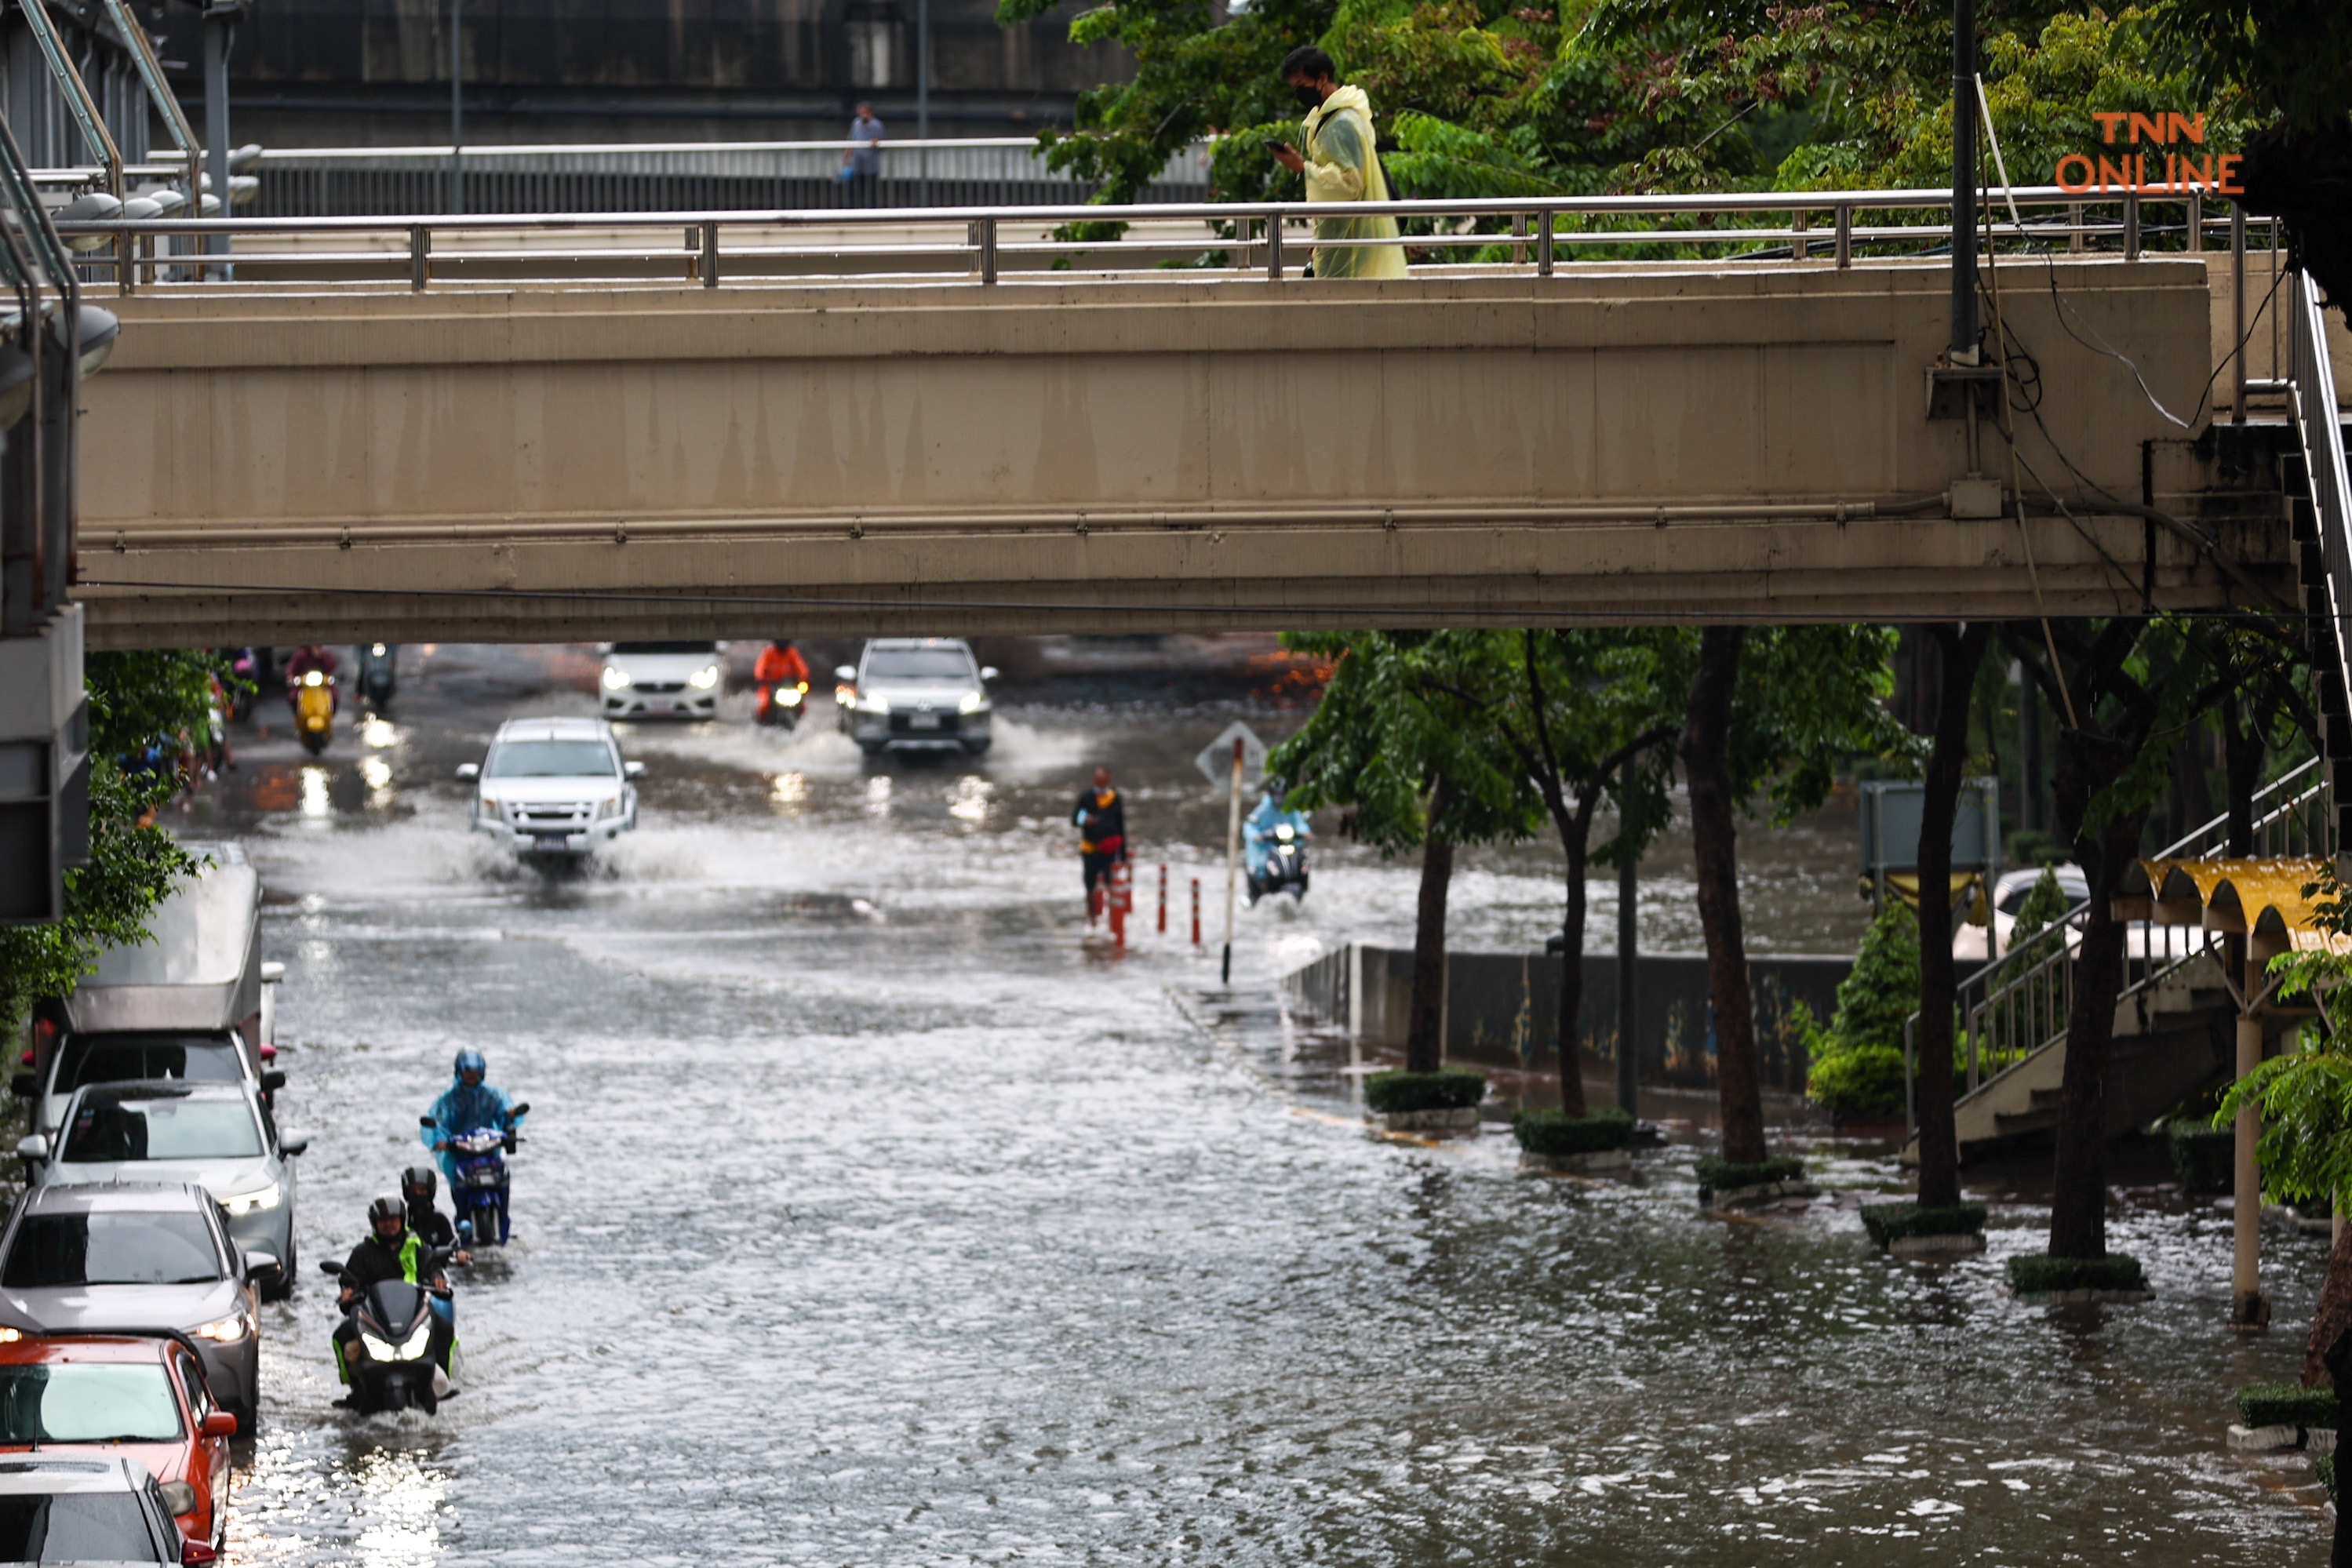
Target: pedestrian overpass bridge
736, 424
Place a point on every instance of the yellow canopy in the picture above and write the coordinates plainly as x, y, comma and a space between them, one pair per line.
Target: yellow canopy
2262, 898
1965, 886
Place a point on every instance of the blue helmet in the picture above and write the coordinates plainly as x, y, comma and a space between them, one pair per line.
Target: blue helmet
471, 1062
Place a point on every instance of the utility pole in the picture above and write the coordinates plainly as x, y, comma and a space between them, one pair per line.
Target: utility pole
923, 96
1964, 183
220, 31
1233, 860
456, 113
1629, 1060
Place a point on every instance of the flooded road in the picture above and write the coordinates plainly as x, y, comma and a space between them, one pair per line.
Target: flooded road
867, 1215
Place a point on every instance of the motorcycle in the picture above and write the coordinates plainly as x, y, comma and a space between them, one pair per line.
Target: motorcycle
246, 667
314, 710
377, 671
780, 703
1277, 864
478, 1187
393, 1359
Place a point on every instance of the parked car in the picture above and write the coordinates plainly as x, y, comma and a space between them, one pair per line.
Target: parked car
143, 1398
195, 1001
661, 680
55, 1509
133, 1258
921, 692
553, 787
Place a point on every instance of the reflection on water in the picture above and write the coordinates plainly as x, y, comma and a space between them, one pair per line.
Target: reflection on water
864, 1220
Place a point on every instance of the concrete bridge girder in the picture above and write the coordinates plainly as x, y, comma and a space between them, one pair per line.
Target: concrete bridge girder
1628, 443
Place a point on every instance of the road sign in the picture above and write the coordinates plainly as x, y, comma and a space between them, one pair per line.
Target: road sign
1216, 762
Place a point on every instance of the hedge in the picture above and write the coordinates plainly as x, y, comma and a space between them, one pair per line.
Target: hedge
1450, 1089
2039, 1274
2286, 1404
2202, 1157
1551, 1131
1887, 1221
1717, 1175
2325, 1468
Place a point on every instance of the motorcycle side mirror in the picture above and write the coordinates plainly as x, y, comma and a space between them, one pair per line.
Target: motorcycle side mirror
424, 1121
220, 1424
273, 1081
469, 771
988, 672
844, 673
523, 1109
24, 1085
329, 1266
633, 769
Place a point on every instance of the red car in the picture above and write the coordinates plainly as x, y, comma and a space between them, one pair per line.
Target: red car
145, 1399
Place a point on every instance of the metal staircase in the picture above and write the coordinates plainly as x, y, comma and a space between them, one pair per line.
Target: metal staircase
2323, 529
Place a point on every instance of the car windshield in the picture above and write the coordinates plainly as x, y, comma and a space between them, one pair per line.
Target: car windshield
918, 664
552, 759
149, 1248
169, 1127
665, 647
82, 1402
118, 1057
77, 1527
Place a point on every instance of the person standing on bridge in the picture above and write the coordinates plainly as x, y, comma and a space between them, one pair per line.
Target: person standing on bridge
1340, 166
862, 164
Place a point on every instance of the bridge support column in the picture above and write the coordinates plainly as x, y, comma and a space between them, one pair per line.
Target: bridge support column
2249, 1308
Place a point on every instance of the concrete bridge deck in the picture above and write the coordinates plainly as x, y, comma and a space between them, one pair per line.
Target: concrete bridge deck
280, 461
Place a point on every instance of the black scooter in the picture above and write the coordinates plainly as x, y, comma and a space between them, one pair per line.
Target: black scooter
398, 1341
377, 661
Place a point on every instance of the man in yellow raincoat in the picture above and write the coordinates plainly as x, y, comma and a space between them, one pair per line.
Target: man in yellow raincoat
1340, 166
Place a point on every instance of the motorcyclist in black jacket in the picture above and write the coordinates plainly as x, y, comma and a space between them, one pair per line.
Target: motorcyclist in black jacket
419, 1185
391, 1251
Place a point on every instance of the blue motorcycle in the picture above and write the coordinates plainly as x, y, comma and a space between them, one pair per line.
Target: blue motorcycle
478, 1187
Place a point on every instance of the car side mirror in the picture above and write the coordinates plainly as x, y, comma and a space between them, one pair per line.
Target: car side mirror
179, 1497
273, 1080
847, 673
469, 771
220, 1424
24, 1085
196, 1553
34, 1148
988, 672
261, 1266
290, 1147
272, 972
633, 769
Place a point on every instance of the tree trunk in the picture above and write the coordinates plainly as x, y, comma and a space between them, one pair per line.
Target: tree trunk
1572, 836
1706, 739
2078, 1202
1424, 1039
1962, 650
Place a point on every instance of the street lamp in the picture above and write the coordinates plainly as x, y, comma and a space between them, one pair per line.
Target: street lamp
456, 113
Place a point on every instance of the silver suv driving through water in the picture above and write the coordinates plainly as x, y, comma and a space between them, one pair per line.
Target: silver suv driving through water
915, 693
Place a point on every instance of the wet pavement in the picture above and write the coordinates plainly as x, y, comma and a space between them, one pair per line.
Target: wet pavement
869, 1215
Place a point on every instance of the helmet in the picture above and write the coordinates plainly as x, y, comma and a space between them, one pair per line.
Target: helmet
471, 1062
387, 1209
416, 1176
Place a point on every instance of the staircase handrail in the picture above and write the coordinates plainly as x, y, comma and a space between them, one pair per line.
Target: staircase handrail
2320, 423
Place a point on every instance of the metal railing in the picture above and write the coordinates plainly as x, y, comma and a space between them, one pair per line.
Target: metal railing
2019, 1004
988, 244
2319, 422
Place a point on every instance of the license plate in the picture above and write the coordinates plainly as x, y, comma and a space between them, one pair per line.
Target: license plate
548, 845
922, 721
660, 704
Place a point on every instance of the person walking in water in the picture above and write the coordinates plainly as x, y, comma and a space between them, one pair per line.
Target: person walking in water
1340, 166
1100, 817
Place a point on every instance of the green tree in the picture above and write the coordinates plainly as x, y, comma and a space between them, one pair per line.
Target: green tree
137, 701
1771, 713
1390, 739
1857, 1063
1959, 650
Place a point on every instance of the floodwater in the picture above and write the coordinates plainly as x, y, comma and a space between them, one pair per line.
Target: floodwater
869, 1215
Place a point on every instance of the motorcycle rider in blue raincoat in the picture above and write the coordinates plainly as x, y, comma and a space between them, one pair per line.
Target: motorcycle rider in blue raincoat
466, 1104
1257, 830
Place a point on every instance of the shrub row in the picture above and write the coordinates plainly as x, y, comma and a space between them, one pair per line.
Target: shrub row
2037, 1274
1886, 1221
2286, 1404
1552, 1131
1718, 1175
1393, 1094
2202, 1154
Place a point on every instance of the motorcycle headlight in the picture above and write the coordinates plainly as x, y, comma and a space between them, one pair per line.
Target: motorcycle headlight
972, 702
224, 1331
789, 696
615, 679
260, 1198
377, 1350
314, 679
378, 650
1285, 832
1287, 849
412, 1347
703, 679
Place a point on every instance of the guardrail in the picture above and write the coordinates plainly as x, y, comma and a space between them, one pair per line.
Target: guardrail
987, 243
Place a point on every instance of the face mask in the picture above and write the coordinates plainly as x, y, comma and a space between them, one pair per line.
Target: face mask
1307, 97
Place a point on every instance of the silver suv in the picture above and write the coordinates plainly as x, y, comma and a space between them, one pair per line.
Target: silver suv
553, 788
925, 693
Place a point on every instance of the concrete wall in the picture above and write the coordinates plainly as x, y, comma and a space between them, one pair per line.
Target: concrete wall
1501, 1009
1124, 454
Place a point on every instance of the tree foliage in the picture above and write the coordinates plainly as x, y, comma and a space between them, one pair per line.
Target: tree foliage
1857, 1063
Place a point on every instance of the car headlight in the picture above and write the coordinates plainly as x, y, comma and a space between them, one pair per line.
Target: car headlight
789, 696
864, 704
260, 1198
489, 805
224, 1331
609, 807
703, 679
615, 679
972, 702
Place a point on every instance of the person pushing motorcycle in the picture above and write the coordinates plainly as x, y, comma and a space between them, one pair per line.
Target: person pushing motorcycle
466, 1104
391, 1250
1100, 816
